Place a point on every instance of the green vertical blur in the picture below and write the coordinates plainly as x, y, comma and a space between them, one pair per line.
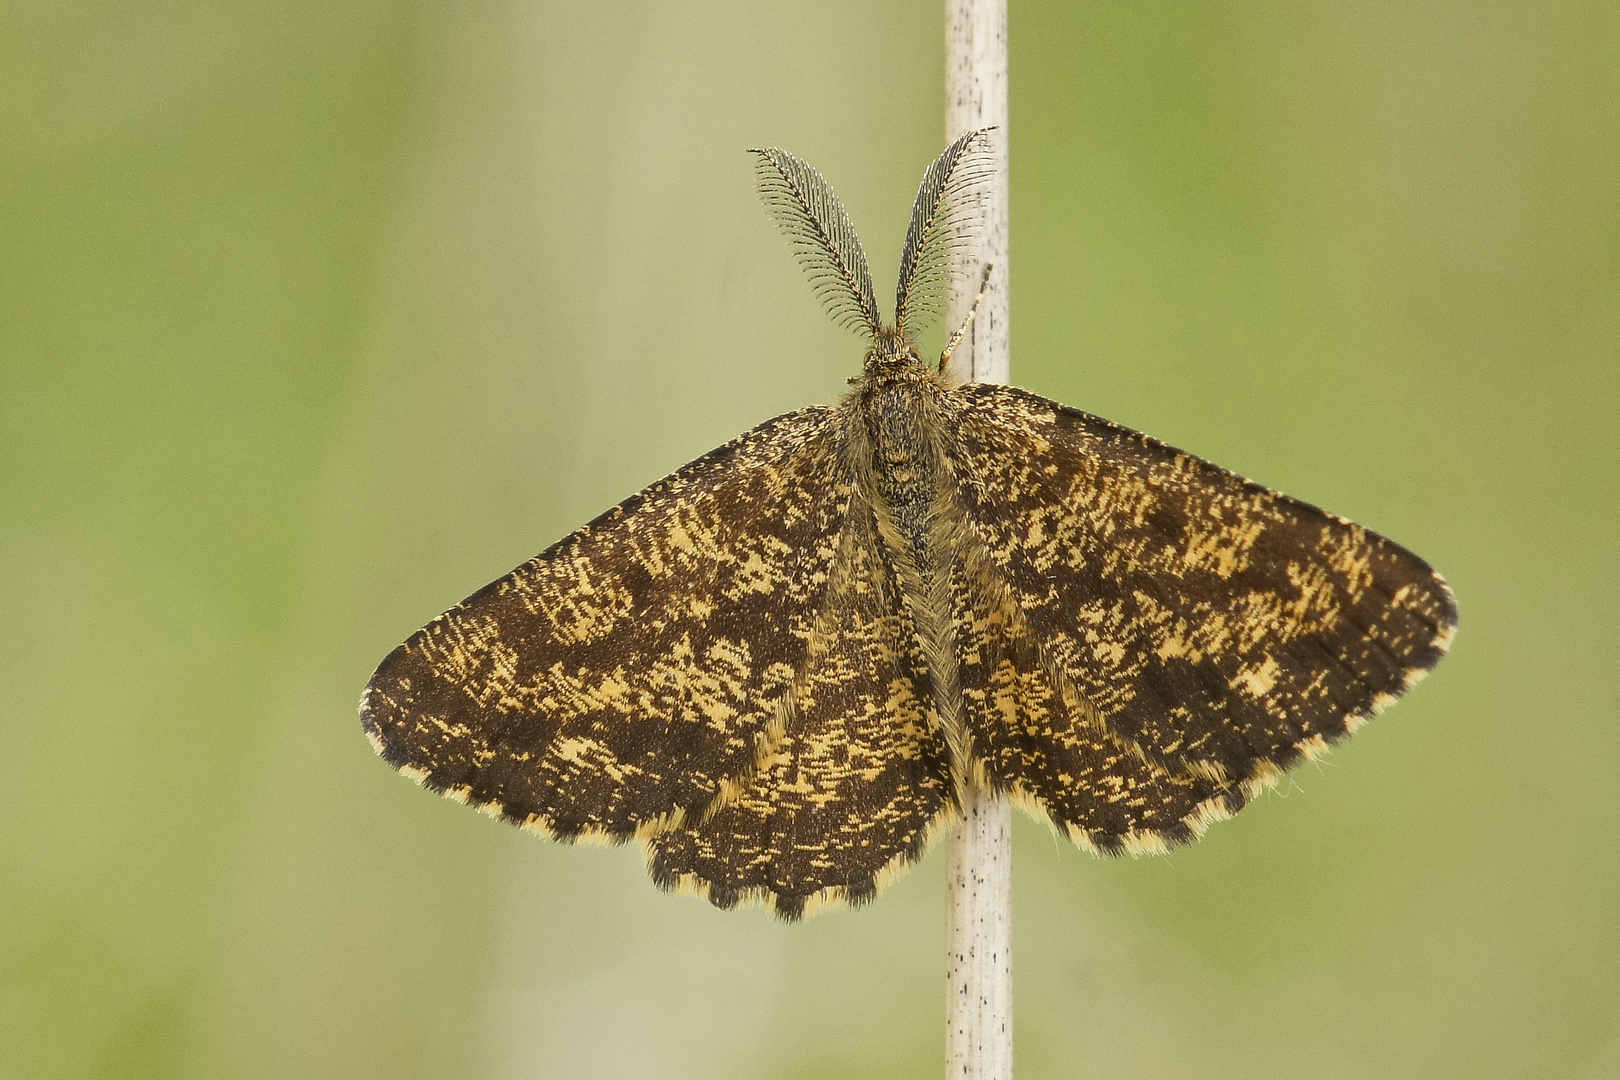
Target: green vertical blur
314, 318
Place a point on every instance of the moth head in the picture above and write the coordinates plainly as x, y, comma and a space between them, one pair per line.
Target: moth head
892, 353
945, 218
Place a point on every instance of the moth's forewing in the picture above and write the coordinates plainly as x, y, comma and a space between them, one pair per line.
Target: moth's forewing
1218, 626
614, 683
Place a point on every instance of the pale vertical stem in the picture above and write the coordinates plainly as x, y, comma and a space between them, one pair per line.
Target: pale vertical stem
976, 97
978, 927
978, 933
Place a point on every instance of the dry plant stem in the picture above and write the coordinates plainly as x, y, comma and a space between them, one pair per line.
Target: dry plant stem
978, 929
976, 97
978, 1034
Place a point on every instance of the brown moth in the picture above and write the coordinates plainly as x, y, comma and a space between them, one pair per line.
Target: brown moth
779, 666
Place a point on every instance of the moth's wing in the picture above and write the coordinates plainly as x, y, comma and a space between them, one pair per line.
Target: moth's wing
1036, 740
860, 779
1216, 625
616, 681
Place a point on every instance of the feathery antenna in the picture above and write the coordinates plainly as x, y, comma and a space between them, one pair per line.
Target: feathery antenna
805, 208
944, 220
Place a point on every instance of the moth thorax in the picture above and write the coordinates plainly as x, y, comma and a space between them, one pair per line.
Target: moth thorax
897, 421
906, 469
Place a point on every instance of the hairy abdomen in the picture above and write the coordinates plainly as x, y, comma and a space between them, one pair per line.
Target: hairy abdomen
917, 513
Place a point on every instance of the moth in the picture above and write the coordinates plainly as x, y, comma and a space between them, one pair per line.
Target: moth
781, 666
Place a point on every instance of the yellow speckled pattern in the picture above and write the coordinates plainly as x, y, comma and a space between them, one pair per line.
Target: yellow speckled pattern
1218, 626
1038, 741
611, 684
778, 665
858, 778
782, 665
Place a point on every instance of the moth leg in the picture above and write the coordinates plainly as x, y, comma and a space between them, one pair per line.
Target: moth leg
961, 331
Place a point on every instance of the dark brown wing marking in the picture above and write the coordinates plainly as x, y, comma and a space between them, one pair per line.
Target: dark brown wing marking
858, 782
619, 679
1220, 627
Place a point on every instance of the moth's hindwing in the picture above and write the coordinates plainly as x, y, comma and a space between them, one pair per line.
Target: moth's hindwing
1039, 742
616, 682
860, 778
1220, 628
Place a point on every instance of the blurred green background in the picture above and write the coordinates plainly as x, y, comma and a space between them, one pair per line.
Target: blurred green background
314, 317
